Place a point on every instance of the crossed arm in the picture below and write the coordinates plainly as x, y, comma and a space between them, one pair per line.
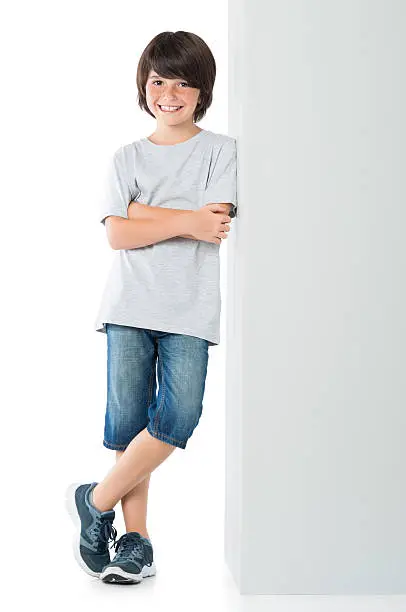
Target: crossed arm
136, 210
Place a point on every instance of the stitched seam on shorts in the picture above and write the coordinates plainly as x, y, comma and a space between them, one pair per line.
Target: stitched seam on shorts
115, 446
151, 383
163, 395
158, 433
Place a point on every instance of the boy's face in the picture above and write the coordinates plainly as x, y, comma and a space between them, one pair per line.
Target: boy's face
171, 92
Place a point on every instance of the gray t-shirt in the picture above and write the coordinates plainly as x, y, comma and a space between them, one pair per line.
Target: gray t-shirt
172, 285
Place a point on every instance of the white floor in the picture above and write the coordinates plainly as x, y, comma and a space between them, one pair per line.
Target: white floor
199, 584
191, 576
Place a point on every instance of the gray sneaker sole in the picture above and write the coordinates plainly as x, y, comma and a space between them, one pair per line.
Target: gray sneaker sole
70, 505
116, 575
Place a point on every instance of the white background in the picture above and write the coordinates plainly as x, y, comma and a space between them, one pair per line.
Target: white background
69, 101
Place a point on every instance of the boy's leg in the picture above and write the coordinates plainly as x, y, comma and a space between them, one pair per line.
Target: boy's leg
140, 458
182, 368
134, 505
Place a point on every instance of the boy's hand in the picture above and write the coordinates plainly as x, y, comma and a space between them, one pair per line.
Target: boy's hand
227, 207
210, 223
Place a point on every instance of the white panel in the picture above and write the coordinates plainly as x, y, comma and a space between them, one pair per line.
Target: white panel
316, 333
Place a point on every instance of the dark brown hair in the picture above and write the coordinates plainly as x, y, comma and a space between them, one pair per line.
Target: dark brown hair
175, 55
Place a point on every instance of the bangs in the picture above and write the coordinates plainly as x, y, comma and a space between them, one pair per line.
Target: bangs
170, 61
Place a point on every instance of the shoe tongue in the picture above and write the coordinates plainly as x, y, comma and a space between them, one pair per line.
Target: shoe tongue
108, 514
134, 535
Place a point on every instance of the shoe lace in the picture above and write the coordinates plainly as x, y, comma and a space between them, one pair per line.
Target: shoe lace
105, 531
129, 545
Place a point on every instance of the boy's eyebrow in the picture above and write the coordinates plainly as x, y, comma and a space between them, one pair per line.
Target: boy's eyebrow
154, 76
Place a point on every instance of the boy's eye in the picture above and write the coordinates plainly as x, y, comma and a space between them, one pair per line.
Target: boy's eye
159, 81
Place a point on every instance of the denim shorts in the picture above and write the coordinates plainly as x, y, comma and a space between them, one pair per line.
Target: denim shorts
134, 357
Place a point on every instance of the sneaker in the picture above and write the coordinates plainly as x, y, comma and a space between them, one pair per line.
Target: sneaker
94, 529
133, 562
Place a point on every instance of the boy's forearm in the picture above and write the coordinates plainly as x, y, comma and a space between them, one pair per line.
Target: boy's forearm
136, 210
135, 233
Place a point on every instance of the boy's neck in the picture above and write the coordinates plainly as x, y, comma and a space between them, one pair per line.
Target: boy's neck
168, 135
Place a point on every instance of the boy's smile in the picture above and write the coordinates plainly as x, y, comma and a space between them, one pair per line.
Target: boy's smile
169, 108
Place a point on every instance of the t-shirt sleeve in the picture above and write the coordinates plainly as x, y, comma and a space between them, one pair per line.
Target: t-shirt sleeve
119, 189
222, 182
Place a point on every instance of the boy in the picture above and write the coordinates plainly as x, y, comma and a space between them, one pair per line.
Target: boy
169, 201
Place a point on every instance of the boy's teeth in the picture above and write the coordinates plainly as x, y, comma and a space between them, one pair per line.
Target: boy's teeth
170, 108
